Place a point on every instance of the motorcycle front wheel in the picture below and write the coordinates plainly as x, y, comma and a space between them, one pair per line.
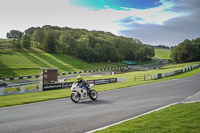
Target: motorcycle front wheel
93, 95
75, 97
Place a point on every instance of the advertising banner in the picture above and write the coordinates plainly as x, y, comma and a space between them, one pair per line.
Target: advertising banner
31, 88
14, 90
67, 85
52, 86
90, 81
113, 80
101, 81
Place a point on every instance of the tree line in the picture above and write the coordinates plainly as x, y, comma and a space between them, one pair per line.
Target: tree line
186, 51
161, 47
91, 46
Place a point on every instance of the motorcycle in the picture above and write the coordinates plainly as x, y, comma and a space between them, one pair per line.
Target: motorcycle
78, 93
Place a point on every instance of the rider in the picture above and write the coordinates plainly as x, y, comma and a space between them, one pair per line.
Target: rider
82, 83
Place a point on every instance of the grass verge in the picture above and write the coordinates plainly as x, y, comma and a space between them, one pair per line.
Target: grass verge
180, 118
162, 53
18, 99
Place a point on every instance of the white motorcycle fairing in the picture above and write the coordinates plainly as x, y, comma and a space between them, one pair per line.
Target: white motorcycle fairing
78, 93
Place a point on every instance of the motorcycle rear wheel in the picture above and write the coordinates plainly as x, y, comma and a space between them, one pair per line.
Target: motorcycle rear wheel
75, 97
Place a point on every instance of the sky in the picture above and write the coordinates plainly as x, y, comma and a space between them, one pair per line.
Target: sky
155, 22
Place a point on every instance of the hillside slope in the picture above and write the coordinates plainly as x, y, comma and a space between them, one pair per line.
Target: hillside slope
13, 64
162, 53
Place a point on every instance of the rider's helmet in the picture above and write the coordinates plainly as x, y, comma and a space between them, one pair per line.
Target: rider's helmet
78, 78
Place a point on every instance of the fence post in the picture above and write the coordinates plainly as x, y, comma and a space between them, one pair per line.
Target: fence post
22, 89
1, 91
40, 87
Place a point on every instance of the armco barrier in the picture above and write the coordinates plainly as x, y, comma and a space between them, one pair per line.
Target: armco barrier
97, 70
161, 75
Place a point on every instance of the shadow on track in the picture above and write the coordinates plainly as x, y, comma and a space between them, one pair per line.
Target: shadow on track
96, 102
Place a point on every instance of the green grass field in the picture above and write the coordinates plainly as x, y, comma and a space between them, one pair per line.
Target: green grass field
14, 64
18, 99
5, 42
162, 53
30, 62
181, 118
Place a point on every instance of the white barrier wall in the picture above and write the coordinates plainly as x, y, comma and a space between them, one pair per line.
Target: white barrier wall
155, 76
169, 74
163, 74
21, 89
121, 79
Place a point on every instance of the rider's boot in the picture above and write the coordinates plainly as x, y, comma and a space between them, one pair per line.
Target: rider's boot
88, 91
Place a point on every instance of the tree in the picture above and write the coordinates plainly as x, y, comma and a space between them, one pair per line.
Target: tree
100, 53
14, 34
195, 52
140, 54
26, 41
184, 51
38, 37
68, 44
50, 41
91, 46
30, 31
173, 54
149, 52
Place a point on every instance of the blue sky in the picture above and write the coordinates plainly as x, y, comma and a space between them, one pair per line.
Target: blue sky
165, 22
115, 4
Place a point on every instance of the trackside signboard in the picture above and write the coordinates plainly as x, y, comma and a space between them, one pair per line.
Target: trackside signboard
52, 86
35, 88
69, 84
101, 81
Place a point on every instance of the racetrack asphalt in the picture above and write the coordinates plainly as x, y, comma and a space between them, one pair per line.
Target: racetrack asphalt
64, 116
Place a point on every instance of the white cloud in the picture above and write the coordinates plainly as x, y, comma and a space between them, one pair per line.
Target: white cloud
23, 14
173, 31
158, 15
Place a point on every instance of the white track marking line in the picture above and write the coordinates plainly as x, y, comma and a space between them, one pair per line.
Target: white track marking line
130, 118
